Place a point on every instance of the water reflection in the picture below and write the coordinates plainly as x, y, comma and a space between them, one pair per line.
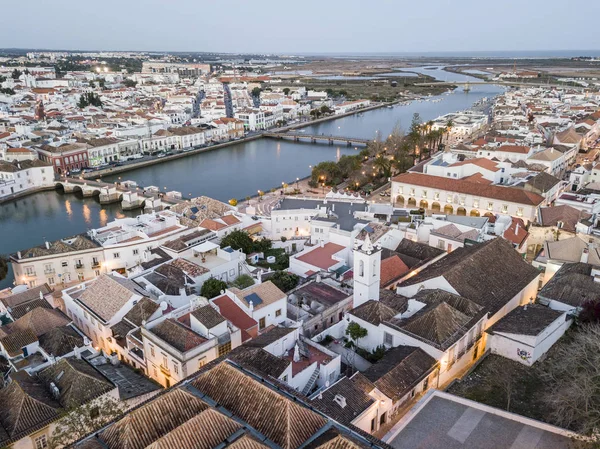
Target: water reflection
87, 215
29, 221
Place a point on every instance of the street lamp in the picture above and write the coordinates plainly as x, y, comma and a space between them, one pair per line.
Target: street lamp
297, 179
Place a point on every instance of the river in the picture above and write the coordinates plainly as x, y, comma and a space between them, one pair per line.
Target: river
231, 172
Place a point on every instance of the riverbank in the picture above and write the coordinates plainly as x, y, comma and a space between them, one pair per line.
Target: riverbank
24, 193
135, 165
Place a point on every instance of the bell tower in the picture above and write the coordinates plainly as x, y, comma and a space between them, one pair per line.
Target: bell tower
367, 271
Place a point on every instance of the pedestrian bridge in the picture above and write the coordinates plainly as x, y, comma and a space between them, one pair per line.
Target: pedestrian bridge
318, 138
131, 197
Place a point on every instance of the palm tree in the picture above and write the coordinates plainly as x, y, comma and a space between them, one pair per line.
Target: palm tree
383, 165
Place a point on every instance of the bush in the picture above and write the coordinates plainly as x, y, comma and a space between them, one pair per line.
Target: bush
212, 288
284, 281
244, 281
283, 239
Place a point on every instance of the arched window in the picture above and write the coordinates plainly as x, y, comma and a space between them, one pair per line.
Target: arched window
374, 268
361, 268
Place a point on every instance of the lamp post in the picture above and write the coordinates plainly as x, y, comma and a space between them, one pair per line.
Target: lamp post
297, 179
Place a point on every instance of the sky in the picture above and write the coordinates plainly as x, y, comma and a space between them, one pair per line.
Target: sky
307, 26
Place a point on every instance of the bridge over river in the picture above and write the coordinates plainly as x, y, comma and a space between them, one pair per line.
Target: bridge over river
127, 193
318, 138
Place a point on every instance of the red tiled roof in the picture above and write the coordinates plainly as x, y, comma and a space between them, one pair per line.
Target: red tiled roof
514, 235
480, 162
513, 149
392, 268
230, 220
212, 224
321, 256
477, 178
510, 194
232, 312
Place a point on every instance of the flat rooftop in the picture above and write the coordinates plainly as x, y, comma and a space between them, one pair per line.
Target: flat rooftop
130, 383
443, 421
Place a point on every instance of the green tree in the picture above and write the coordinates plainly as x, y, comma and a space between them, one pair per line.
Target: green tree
16, 74
243, 281
84, 420
212, 287
284, 281
326, 109
256, 92
238, 240
286, 90
262, 245
383, 165
348, 165
129, 83
327, 172
82, 103
355, 331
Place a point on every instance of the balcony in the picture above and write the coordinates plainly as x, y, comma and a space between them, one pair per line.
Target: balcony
30, 274
95, 264
79, 266
165, 371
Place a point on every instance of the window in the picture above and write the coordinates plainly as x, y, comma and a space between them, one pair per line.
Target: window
426, 384
201, 362
152, 351
29, 271
175, 368
116, 255
490, 206
424, 194
388, 339
505, 208
412, 393
519, 211
285, 378
51, 281
41, 442
475, 203
373, 424
278, 312
65, 263
232, 272
262, 323
85, 315
155, 371
136, 252
224, 348
441, 244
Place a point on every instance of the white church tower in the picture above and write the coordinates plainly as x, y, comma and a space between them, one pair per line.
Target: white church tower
367, 271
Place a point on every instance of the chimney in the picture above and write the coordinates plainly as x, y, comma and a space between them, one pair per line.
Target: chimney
296, 353
517, 229
18, 254
55, 390
322, 243
340, 400
318, 278
584, 256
